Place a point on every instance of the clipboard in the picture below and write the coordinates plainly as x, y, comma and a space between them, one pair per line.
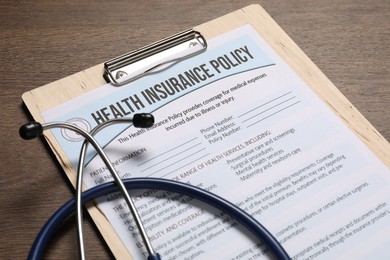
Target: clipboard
118, 71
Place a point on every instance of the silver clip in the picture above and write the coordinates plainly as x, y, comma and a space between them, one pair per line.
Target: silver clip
154, 57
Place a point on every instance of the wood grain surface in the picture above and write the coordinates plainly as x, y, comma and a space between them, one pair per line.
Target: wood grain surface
43, 41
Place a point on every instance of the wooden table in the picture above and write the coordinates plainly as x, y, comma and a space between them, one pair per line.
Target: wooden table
42, 41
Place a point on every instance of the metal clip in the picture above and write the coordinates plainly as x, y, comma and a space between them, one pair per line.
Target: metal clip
154, 57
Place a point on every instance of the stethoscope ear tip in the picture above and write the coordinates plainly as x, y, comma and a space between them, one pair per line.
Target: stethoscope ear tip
31, 130
143, 120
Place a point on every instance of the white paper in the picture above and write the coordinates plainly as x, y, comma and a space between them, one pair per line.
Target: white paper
253, 133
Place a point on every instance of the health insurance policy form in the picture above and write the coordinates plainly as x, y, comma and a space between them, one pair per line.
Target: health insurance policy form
236, 121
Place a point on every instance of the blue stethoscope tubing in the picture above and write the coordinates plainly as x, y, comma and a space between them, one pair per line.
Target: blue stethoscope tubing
48, 230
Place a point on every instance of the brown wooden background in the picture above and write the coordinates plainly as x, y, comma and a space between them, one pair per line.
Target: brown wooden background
42, 41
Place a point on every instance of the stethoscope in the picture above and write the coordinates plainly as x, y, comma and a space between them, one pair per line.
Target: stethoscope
35, 129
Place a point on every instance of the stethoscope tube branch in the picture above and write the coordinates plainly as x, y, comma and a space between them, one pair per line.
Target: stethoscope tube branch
211, 199
139, 120
34, 129
114, 174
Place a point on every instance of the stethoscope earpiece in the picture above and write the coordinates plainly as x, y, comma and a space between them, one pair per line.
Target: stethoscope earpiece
143, 120
31, 130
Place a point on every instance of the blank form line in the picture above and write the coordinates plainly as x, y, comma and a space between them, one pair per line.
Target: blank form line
267, 109
167, 151
166, 159
264, 104
273, 114
184, 165
176, 162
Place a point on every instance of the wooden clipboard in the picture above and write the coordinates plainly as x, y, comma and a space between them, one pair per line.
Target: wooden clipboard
49, 96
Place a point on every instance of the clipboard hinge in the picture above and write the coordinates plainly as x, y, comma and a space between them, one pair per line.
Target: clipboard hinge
154, 57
